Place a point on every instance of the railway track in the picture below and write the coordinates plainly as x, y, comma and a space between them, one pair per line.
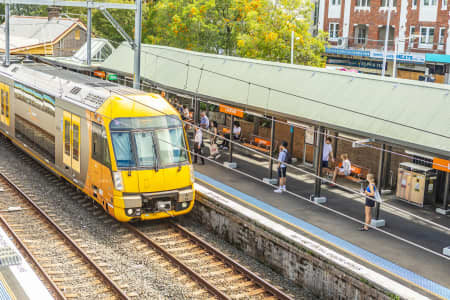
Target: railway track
218, 274
205, 272
64, 267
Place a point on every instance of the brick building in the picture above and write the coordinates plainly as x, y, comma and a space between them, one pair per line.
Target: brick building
49, 36
357, 30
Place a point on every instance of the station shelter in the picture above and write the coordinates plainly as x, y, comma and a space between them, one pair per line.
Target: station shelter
394, 128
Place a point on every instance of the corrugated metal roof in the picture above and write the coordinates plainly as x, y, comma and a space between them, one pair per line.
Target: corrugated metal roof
29, 31
96, 46
405, 112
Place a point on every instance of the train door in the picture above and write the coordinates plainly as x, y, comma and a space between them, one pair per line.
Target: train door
5, 104
71, 142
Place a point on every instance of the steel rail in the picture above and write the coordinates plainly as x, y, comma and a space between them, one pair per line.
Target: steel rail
108, 280
33, 259
197, 277
231, 263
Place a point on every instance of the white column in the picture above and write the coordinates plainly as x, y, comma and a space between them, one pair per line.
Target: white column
347, 6
402, 30
321, 14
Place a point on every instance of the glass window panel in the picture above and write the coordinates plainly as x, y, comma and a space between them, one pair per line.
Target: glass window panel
76, 143
172, 147
145, 149
430, 35
66, 137
146, 122
7, 104
122, 149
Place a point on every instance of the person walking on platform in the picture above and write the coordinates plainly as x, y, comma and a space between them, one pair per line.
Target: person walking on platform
198, 143
327, 153
204, 121
370, 191
282, 159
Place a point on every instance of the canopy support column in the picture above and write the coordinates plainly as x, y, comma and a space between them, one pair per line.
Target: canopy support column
377, 222
318, 162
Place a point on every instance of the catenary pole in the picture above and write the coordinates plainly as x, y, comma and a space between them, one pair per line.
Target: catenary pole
137, 41
7, 45
88, 37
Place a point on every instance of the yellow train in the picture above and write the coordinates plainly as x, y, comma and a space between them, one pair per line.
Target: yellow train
124, 148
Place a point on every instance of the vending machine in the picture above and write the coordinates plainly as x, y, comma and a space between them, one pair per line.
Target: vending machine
416, 183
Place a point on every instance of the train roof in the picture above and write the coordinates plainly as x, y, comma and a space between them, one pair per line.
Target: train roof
76, 88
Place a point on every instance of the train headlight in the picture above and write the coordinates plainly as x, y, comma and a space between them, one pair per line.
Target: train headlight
130, 211
191, 170
118, 182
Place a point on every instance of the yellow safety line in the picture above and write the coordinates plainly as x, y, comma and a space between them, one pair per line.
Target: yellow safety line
319, 238
8, 289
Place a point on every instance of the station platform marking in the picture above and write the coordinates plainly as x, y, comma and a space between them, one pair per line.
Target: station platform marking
372, 259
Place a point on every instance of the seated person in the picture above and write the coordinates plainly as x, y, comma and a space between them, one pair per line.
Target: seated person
236, 134
346, 168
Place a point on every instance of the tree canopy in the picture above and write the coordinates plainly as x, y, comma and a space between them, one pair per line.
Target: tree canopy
258, 29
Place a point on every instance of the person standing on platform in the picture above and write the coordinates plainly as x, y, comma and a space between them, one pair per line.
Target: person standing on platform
198, 143
327, 153
204, 121
282, 159
370, 192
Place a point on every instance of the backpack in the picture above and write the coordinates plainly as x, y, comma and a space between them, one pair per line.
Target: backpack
288, 157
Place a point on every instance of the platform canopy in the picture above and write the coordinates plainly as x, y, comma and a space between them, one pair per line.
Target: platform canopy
404, 112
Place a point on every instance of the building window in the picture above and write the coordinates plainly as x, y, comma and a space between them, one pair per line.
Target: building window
77, 34
361, 34
333, 30
382, 36
414, 4
335, 2
385, 3
363, 3
426, 37
412, 30
429, 2
441, 35
444, 5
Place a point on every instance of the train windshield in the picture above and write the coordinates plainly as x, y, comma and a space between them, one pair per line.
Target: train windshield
151, 142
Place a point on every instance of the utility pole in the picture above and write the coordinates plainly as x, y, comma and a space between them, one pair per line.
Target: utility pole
137, 41
89, 34
386, 37
292, 47
7, 62
394, 70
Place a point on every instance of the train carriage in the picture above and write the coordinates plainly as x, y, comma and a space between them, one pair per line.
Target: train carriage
124, 148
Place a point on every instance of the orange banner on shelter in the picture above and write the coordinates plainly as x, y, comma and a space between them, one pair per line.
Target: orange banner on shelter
231, 110
441, 164
100, 74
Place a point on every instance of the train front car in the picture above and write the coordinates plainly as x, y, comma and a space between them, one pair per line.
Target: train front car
145, 144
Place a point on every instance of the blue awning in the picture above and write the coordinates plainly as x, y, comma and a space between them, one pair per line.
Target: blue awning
440, 58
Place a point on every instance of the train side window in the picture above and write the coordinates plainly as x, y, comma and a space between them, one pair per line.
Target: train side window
100, 150
3, 103
76, 144
67, 137
7, 104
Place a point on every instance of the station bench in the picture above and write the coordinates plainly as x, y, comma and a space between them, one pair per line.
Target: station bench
259, 144
358, 175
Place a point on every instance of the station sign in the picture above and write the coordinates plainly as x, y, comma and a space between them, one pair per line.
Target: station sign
229, 110
100, 74
441, 164
112, 77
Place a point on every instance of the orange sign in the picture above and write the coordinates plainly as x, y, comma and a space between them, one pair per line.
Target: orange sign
441, 164
100, 74
231, 110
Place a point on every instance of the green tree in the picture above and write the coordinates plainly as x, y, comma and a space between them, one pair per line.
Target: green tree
268, 33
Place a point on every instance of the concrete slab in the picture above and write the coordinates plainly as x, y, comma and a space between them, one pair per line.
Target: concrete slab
378, 223
443, 211
446, 251
272, 181
230, 165
320, 200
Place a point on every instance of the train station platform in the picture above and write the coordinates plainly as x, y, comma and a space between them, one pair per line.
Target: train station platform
17, 278
415, 267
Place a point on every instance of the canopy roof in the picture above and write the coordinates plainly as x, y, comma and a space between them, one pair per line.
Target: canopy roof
410, 113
